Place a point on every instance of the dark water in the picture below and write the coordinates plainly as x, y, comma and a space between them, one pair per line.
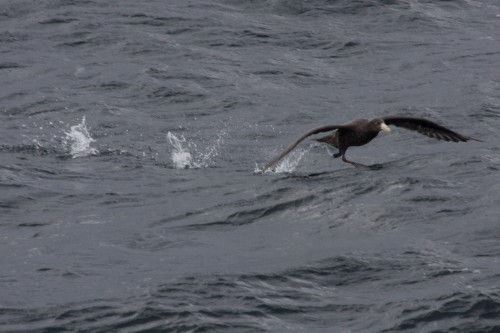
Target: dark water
131, 130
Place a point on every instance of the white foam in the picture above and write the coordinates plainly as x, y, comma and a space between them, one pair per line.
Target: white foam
80, 140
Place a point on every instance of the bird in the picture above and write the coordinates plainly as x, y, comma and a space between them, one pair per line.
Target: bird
359, 132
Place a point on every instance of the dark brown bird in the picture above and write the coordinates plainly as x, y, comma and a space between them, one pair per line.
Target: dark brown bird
361, 131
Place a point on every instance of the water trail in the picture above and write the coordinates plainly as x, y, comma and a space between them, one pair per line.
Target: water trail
79, 138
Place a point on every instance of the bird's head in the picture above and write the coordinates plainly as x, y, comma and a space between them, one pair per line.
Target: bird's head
380, 125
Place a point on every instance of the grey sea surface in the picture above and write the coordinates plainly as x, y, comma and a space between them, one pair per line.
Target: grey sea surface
131, 131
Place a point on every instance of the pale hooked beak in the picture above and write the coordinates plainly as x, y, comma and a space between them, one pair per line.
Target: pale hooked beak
385, 128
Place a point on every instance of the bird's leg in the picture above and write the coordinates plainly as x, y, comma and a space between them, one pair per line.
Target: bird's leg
351, 162
341, 152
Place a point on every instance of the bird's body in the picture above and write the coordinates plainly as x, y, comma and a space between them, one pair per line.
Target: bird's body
361, 131
354, 133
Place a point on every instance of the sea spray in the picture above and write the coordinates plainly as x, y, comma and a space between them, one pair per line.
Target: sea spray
212, 150
186, 154
181, 157
287, 164
291, 162
79, 140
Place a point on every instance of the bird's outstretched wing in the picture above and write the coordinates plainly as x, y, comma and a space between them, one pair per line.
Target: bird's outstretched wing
428, 128
275, 160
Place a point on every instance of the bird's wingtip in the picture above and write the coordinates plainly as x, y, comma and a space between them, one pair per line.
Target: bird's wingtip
474, 139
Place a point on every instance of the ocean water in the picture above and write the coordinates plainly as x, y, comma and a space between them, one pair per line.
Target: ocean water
132, 133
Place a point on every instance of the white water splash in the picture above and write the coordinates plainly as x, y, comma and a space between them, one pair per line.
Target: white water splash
181, 157
186, 155
79, 138
288, 164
